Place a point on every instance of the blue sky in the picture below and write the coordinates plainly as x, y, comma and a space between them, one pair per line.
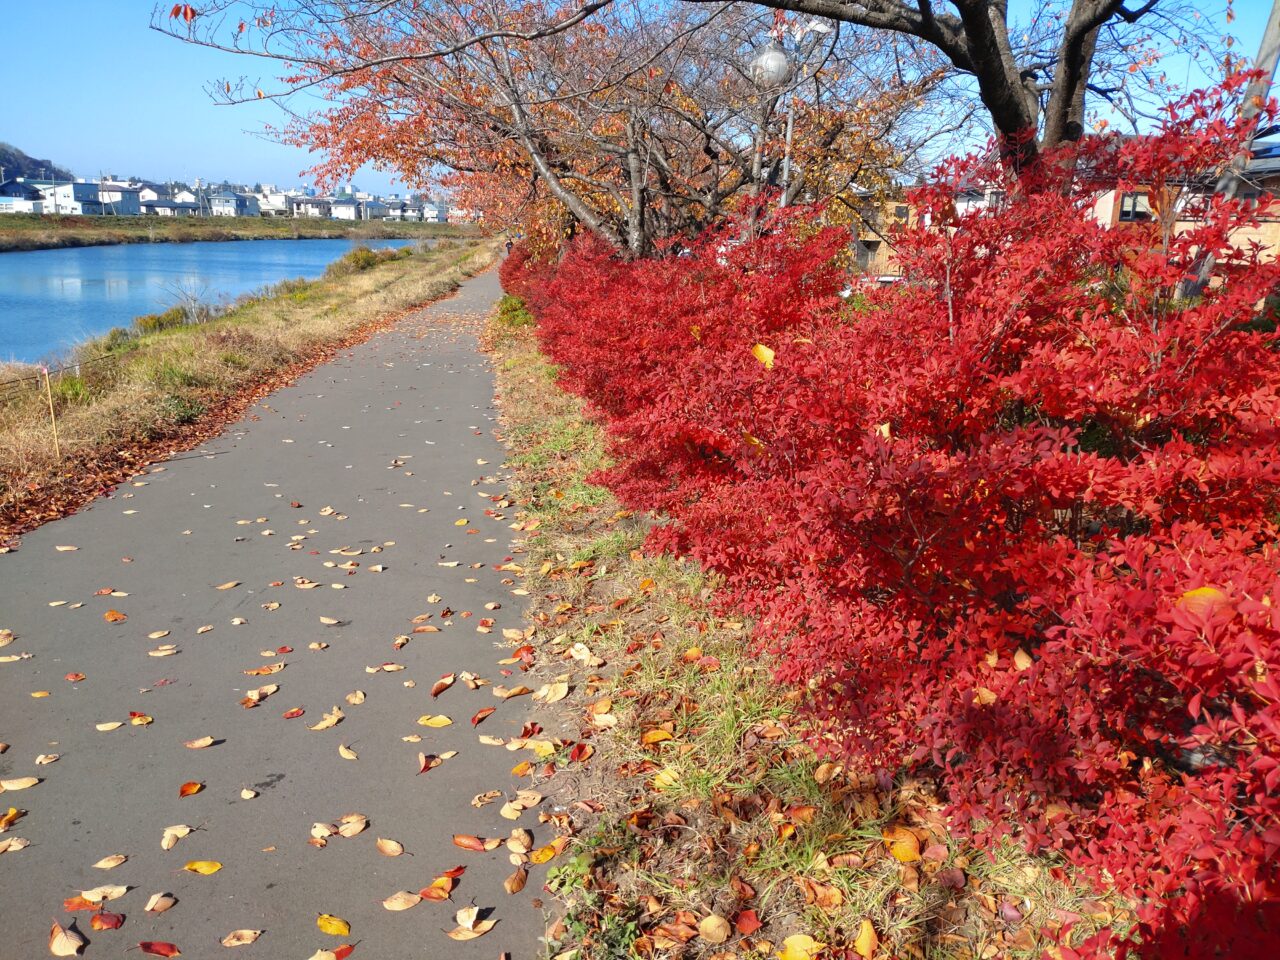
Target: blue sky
92, 88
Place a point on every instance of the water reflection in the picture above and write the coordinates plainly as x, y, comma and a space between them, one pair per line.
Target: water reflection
52, 299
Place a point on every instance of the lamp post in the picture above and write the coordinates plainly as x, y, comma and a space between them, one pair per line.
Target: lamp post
770, 69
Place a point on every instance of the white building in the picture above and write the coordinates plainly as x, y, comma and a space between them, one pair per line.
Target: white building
234, 205
312, 207
76, 197
346, 209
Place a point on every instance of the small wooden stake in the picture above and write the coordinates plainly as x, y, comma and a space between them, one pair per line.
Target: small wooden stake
53, 417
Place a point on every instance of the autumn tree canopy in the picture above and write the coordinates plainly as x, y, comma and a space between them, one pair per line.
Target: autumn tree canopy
640, 121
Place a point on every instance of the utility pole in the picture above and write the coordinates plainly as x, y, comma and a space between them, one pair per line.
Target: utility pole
1254, 97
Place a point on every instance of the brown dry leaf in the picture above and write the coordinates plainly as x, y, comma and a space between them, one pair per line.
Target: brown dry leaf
552, 692
115, 616
389, 848
331, 719
714, 929
506, 694
164, 650
352, 823
520, 841
240, 938
13, 844
172, 835
355, 697
18, 783
515, 883
481, 799
46, 758
443, 684
229, 585
265, 670
103, 893
469, 926
64, 941
402, 900
198, 744
111, 862
160, 902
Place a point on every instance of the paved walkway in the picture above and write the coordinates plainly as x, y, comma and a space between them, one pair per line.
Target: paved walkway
236, 550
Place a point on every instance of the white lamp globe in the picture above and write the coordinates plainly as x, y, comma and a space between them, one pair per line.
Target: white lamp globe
770, 68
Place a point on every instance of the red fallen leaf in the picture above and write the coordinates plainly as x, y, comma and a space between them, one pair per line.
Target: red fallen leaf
115, 616
276, 583
428, 761
295, 504
524, 653
78, 902
743, 889
190, 788
74, 677
158, 948
106, 921
581, 752
468, 842
747, 923
284, 649
293, 714
343, 952
481, 714
530, 730
104, 592
453, 873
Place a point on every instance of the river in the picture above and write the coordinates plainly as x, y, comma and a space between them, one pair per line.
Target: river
50, 300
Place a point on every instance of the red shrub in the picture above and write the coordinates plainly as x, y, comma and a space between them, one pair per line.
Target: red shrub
1013, 520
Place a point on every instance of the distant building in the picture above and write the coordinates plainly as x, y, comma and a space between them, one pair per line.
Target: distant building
119, 200
373, 209
321, 207
275, 203
229, 204
170, 208
346, 209
75, 197
19, 197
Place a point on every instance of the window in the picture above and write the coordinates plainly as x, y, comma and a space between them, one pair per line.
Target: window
1134, 208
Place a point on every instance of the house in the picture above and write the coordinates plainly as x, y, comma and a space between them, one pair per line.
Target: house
186, 196
373, 209
312, 207
276, 203
170, 208
19, 197
346, 209
75, 197
119, 200
227, 204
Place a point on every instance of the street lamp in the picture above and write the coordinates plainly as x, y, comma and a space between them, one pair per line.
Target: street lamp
770, 69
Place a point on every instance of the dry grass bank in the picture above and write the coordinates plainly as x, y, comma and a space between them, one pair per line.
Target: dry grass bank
20, 231
705, 826
168, 384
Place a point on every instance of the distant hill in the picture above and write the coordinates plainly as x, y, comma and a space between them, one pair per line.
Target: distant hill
18, 164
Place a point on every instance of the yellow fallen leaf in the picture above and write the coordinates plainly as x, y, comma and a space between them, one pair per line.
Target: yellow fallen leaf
334, 926
108, 863
346, 753
866, 943
800, 946
436, 720
203, 867
764, 355
666, 778
229, 585
18, 783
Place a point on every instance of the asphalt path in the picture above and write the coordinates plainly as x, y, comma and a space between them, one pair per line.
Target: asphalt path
363, 494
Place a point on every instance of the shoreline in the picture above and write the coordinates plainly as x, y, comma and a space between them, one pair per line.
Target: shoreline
24, 233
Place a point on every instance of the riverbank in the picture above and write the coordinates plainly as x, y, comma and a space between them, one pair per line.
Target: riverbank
141, 394
19, 231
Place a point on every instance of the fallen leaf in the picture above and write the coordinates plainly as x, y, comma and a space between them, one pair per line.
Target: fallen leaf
240, 938
203, 867
109, 863
158, 948
402, 900
714, 929
388, 848
904, 846
866, 943
64, 941
346, 753
18, 783
106, 921
65, 548
800, 946
293, 714
355, 697
443, 684
172, 835
515, 883
469, 926
74, 677
247, 794
109, 892
265, 670
481, 714
437, 720
331, 719
334, 926
199, 744
747, 923
13, 844
190, 788
115, 616
160, 902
